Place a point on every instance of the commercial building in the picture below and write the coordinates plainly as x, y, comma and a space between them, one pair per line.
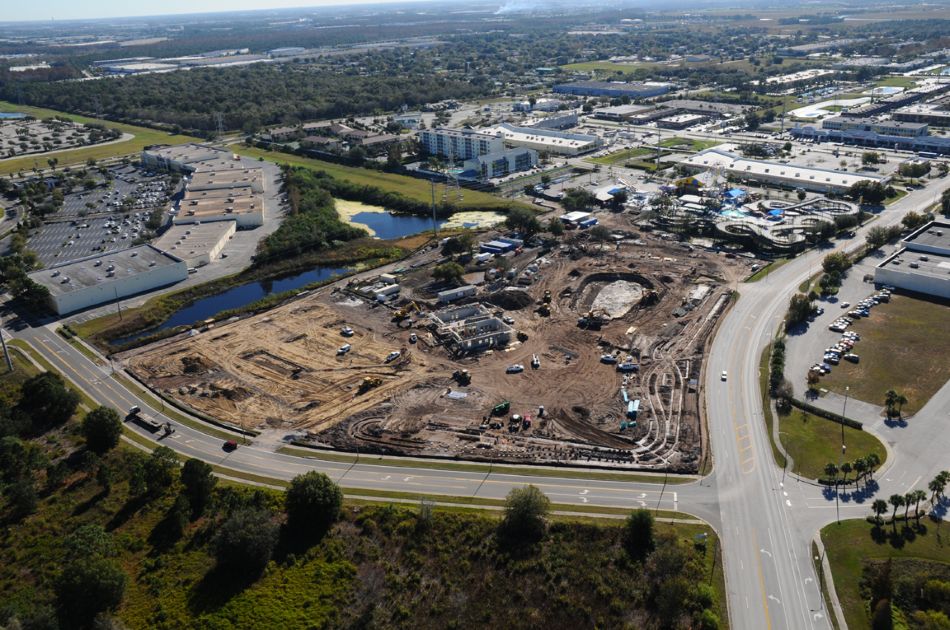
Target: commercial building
456, 294
545, 140
883, 127
88, 282
776, 173
680, 121
182, 158
859, 137
246, 211
459, 144
803, 50
923, 264
931, 113
196, 244
557, 121
540, 105
705, 108
634, 91
502, 163
902, 99
620, 113
796, 79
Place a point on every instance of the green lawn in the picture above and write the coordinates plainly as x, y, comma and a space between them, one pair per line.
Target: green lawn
904, 82
904, 346
606, 67
143, 138
691, 144
900, 193
767, 415
621, 156
812, 442
767, 269
416, 189
851, 542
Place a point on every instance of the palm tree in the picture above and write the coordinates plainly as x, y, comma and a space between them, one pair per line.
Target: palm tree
935, 488
908, 499
896, 500
879, 506
831, 470
919, 495
890, 399
860, 467
901, 401
846, 470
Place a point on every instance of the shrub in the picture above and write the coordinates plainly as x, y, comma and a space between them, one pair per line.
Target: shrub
638, 534
525, 510
102, 428
313, 503
246, 540
88, 587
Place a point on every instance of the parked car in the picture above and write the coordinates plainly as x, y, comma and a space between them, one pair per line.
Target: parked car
516, 368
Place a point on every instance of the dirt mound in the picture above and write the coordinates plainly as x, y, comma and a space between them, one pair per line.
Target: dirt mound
194, 365
511, 299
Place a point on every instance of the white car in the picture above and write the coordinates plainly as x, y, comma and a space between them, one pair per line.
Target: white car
724, 376
845, 304
517, 368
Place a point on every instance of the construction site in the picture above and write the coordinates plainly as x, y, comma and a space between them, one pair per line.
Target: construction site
578, 352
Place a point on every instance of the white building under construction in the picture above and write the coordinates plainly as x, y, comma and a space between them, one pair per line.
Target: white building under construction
469, 328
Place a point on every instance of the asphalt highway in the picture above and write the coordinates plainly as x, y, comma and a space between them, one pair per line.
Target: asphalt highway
766, 520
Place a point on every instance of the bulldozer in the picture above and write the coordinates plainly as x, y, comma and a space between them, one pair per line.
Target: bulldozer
462, 377
369, 383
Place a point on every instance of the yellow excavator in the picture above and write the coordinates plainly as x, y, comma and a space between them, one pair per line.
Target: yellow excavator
406, 311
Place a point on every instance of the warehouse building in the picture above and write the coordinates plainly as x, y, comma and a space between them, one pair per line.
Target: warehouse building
680, 121
920, 144
633, 91
246, 211
88, 282
546, 140
196, 244
883, 127
620, 113
931, 113
922, 265
776, 173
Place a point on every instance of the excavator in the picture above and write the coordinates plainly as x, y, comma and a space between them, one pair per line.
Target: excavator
593, 320
462, 377
406, 311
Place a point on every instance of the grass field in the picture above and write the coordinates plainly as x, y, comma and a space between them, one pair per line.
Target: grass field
904, 346
851, 542
692, 144
812, 442
143, 138
904, 82
621, 156
416, 189
606, 67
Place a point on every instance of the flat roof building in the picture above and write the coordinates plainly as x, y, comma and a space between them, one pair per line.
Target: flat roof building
502, 163
221, 205
860, 137
645, 89
680, 121
546, 140
619, 113
883, 127
95, 280
252, 178
776, 173
923, 264
931, 113
196, 244
179, 158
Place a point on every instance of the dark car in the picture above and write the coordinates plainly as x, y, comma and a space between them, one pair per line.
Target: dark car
230, 445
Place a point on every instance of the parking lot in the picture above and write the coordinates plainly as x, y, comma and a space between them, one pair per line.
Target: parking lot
93, 221
145, 191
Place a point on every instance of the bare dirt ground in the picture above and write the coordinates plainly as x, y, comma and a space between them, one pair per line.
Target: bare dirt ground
281, 369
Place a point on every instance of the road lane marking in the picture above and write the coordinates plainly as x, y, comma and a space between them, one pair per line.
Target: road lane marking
765, 602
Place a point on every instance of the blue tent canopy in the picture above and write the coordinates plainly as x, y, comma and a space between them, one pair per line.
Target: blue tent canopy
735, 193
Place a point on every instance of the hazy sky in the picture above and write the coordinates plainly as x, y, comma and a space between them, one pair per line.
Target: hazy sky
81, 9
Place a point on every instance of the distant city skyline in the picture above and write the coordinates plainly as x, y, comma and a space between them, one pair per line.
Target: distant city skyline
71, 10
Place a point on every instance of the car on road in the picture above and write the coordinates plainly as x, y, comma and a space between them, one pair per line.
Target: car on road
724, 376
516, 368
845, 304
230, 445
